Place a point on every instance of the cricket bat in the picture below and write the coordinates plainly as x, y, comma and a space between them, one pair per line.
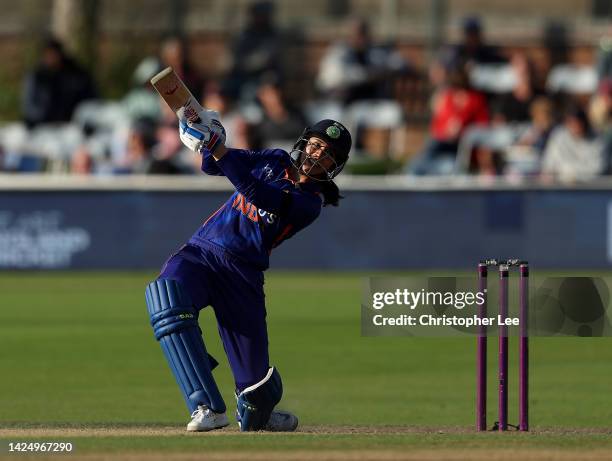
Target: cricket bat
172, 90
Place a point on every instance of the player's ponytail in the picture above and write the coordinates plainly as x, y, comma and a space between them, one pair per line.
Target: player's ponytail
331, 193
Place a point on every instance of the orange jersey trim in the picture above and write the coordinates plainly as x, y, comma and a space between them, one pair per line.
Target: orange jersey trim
212, 215
282, 235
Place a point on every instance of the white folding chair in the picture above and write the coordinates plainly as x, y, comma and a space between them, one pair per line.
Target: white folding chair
320, 109
493, 78
497, 138
383, 114
572, 79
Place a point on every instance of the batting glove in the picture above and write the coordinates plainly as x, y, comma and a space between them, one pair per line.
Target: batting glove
207, 134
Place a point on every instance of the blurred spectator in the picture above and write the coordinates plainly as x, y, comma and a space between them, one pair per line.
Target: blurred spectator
256, 51
600, 106
573, 152
524, 155
356, 69
81, 161
556, 42
281, 124
604, 56
154, 147
169, 156
142, 101
473, 49
455, 106
218, 97
515, 106
138, 155
541, 125
174, 53
600, 115
488, 162
55, 87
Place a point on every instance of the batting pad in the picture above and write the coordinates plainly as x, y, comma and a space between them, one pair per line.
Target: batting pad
256, 402
175, 324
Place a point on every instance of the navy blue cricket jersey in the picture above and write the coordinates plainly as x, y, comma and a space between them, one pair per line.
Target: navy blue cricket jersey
266, 209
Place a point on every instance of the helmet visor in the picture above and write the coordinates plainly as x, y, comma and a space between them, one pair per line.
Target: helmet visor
315, 159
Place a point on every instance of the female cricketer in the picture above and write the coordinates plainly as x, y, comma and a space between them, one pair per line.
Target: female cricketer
277, 194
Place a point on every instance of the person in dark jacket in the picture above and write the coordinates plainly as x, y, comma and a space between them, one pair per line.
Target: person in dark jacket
55, 87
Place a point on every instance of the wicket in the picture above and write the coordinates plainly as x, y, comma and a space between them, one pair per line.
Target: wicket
481, 354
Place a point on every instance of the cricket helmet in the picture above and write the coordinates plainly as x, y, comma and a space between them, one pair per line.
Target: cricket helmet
338, 141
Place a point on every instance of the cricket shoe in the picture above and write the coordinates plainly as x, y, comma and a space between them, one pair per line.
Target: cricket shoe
204, 419
281, 421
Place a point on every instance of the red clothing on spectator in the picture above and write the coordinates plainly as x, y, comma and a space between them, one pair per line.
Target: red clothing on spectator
454, 110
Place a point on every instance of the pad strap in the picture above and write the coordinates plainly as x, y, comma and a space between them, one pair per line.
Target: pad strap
256, 402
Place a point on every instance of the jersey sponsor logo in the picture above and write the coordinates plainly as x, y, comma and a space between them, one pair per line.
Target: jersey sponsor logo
251, 211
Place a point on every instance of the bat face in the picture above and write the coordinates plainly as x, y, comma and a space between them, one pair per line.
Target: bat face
172, 90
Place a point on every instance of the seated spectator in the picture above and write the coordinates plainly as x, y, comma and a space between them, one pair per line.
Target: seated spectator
174, 53
142, 101
573, 152
600, 115
256, 51
541, 125
138, 155
473, 49
281, 124
455, 106
524, 156
604, 56
81, 161
218, 97
514, 107
356, 69
600, 106
169, 156
55, 87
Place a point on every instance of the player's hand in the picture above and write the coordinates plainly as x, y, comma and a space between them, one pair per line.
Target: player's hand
207, 134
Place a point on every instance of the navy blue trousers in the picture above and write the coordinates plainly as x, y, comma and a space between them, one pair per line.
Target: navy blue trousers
235, 292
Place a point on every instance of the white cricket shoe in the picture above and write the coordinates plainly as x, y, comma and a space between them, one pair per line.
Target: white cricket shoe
281, 421
204, 419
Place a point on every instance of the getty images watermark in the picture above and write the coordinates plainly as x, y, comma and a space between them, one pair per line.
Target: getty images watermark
453, 306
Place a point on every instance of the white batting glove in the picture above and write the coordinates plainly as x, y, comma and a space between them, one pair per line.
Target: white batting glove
208, 133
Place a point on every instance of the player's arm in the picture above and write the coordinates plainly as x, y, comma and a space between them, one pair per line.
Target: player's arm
261, 194
219, 153
199, 129
255, 191
208, 139
209, 164
208, 136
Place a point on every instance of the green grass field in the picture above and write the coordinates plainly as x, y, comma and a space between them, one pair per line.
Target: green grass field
79, 363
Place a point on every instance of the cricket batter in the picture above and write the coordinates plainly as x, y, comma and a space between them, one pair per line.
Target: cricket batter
277, 195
